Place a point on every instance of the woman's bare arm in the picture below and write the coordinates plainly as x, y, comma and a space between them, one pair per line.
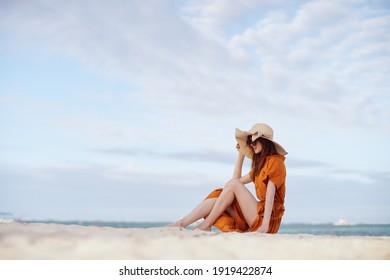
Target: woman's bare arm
245, 179
269, 204
238, 168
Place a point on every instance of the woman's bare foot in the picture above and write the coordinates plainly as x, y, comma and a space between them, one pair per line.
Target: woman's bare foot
178, 223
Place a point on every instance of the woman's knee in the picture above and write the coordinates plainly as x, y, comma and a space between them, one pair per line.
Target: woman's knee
232, 184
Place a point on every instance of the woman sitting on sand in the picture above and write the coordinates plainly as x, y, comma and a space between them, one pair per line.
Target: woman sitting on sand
234, 208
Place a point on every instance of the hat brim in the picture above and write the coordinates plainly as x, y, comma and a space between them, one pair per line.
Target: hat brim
242, 136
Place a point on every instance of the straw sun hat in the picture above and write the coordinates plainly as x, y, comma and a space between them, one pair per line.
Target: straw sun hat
258, 130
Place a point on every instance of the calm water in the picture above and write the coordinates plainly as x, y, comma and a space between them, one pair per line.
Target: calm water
330, 229
315, 229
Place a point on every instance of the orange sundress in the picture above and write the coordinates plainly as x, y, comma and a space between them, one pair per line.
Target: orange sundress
274, 169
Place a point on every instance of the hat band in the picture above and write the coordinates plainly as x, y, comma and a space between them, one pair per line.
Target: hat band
260, 133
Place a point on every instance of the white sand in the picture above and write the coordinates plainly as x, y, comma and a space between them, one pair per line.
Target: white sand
53, 241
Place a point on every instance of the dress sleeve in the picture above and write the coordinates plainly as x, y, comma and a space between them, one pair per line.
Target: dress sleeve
276, 171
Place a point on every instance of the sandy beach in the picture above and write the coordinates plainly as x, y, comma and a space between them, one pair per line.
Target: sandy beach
60, 242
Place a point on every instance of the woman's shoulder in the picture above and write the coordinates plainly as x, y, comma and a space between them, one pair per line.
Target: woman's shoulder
276, 158
276, 169
275, 162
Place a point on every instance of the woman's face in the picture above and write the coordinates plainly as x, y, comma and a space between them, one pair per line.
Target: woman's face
256, 146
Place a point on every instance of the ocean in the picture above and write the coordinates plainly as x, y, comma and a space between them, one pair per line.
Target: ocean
314, 229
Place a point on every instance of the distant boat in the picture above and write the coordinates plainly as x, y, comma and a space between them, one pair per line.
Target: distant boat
342, 222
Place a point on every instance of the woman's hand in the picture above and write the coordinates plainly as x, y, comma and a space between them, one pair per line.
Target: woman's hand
263, 228
239, 150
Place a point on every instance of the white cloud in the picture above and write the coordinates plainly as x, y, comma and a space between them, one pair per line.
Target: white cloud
215, 17
310, 58
322, 62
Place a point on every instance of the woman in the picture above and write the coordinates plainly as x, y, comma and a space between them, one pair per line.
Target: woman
234, 208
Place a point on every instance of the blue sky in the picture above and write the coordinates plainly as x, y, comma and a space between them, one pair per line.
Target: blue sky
126, 110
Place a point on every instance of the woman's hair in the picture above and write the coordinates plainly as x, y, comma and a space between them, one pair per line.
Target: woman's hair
259, 159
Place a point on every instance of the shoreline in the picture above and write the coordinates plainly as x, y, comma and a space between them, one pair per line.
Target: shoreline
20, 241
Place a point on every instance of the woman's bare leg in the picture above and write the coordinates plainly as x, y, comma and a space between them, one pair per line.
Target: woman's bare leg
200, 211
233, 189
